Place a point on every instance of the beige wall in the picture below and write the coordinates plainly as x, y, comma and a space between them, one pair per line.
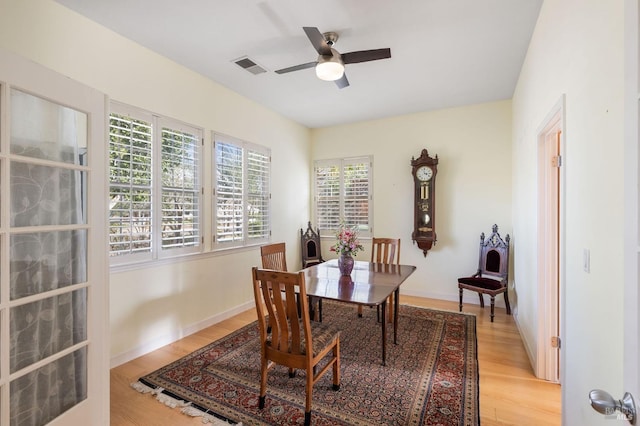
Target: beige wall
577, 50
473, 185
153, 306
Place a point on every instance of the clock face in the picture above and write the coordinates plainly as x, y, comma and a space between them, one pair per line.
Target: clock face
424, 173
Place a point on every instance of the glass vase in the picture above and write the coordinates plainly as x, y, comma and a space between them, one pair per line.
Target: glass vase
345, 264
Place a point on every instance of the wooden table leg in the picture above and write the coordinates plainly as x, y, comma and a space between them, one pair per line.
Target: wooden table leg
396, 302
384, 332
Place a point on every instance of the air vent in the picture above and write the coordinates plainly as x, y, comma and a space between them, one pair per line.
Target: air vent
249, 65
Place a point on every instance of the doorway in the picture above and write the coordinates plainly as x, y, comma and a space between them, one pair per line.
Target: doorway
550, 196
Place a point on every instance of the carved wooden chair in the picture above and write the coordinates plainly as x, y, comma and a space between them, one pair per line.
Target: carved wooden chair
311, 255
274, 256
310, 246
385, 251
492, 276
296, 343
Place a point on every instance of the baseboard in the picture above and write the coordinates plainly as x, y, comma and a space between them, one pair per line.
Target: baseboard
527, 347
177, 335
469, 297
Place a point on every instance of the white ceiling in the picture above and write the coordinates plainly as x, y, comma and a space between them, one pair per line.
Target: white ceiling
444, 53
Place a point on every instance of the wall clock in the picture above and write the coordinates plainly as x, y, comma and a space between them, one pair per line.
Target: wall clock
424, 170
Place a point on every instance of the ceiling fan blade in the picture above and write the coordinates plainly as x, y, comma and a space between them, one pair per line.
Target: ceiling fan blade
342, 82
317, 40
297, 67
365, 55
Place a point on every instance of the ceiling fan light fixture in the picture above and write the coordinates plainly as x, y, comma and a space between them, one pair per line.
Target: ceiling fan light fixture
330, 70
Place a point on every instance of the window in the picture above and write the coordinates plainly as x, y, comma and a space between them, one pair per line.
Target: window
180, 214
342, 190
241, 193
154, 188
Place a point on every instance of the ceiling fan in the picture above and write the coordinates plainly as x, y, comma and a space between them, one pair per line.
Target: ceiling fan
330, 63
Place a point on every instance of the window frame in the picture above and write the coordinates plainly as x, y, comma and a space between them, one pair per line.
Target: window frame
198, 190
341, 163
158, 122
245, 240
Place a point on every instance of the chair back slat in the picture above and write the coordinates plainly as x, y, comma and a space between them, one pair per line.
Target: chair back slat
385, 250
274, 256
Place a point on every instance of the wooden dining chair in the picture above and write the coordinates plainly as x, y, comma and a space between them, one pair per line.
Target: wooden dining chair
296, 343
492, 275
387, 252
274, 256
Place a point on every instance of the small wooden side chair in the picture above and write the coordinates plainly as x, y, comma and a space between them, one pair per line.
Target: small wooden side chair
492, 276
311, 253
310, 246
387, 252
296, 343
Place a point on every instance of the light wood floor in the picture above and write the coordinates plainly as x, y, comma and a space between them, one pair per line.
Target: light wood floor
509, 392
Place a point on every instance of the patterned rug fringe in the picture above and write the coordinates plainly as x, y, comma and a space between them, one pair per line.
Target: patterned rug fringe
187, 409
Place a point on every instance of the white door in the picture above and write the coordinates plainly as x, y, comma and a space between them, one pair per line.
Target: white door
53, 259
617, 403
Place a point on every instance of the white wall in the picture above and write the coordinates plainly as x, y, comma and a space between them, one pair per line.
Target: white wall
473, 185
577, 50
155, 305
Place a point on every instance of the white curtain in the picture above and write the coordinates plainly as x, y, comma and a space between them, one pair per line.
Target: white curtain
46, 195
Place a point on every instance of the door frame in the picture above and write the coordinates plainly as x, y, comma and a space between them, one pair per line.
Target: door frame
551, 243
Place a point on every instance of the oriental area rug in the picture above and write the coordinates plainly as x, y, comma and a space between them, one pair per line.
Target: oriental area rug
431, 376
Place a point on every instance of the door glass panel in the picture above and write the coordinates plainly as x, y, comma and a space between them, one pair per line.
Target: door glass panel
42, 195
46, 195
46, 130
45, 327
43, 394
44, 261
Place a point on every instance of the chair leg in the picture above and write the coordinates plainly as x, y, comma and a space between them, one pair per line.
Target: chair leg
360, 311
307, 401
506, 302
336, 367
460, 290
315, 313
263, 381
493, 302
481, 300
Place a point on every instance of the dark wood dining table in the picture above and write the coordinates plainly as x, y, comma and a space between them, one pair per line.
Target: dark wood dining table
370, 284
